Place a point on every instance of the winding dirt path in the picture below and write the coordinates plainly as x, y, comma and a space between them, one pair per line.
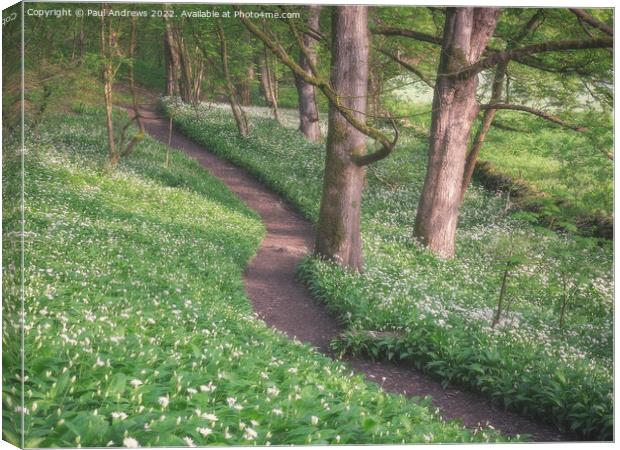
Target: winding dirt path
285, 303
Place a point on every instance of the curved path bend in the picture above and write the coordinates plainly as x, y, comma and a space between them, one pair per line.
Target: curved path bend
285, 303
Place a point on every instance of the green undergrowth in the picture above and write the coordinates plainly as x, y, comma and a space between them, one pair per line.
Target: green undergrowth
138, 330
571, 169
542, 359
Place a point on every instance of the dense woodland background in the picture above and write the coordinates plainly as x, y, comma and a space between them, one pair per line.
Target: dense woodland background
457, 163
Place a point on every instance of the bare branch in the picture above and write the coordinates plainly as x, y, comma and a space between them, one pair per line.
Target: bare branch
536, 112
383, 152
591, 20
552, 46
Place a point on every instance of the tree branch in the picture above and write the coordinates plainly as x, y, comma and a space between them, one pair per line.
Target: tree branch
302, 47
408, 66
552, 46
328, 90
591, 20
536, 112
403, 32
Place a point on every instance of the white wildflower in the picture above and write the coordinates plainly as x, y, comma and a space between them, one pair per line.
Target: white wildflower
119, 415
204, 431
130, 442
273, 391
250, 434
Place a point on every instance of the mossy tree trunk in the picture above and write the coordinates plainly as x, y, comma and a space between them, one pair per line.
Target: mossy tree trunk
308, 110
466, 34
338, 229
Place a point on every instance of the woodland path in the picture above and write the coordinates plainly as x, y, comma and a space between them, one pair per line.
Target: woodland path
285, 303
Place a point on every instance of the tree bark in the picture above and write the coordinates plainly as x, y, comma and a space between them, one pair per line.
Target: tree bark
269, 85
132, 81
242, 87
338, 230
172, 61
485, 126
375, 84
466, 34
107, 44
238, 113
583, 15
185, 65
308, 110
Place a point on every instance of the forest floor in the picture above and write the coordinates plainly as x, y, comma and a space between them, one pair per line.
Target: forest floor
285, 303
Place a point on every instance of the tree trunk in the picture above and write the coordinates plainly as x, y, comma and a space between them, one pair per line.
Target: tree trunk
338, 229
132, 81
268, 80
308, 110
238, 113
170, 84
485, 126
243, 86
466, 34
374, 94
81, 41
107, 44
185, 82
496, 97
172, 61
198, 76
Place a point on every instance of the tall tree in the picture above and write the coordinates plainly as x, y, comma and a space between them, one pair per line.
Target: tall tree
107, 43
437, 214
173, 64
132, 78
112, 59
184, 68
338, 228
308, 109
466, 34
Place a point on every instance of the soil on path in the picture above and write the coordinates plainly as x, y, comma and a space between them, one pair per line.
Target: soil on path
285, 303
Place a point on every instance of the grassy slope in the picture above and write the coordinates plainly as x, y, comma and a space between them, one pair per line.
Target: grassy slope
444, 308
567, 165
138, 325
